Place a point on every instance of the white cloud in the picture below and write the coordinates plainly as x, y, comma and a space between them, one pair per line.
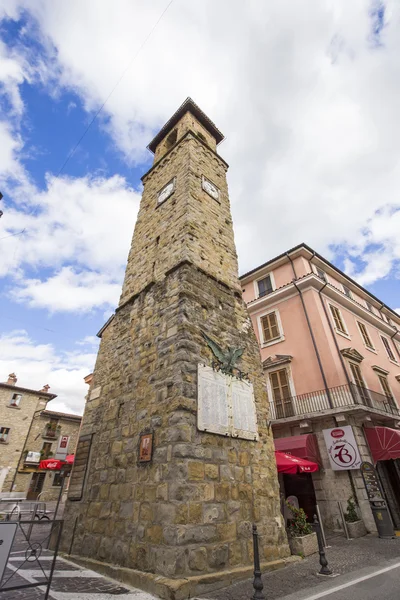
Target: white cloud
39, 364
80, 229
299, 89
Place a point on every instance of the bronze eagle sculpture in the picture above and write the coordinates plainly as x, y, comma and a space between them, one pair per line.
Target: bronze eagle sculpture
226, 359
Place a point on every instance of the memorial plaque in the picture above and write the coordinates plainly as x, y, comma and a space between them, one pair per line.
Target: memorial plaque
212, 414
243, 410
81, 461
225, 405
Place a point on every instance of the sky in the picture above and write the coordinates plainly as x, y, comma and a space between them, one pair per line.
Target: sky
307, 94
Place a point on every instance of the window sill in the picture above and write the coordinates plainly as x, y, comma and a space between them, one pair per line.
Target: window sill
345, 335
14, 407
272, 342
394, 362
371, 349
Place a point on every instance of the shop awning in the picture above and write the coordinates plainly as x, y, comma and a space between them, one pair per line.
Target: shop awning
53, 464
286, 463
384, 442
302, 446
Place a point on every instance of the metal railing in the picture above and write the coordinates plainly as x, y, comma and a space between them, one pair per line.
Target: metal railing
341, 396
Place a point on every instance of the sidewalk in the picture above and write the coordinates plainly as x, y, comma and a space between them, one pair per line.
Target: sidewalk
343, 556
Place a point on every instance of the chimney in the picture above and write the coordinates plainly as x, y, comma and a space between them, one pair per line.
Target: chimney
45, 388
12, 379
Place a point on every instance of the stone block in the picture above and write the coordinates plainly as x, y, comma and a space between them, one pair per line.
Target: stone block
226, 532
195, 471
193, 534
154, 534
211, 471
198, 559
213, 513
195, 512
218, 556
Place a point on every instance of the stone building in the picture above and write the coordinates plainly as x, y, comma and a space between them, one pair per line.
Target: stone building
18, 405
331, 356
181, 521
52, 435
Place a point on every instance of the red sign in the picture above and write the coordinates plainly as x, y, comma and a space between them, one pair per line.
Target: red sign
337, 433
64, 441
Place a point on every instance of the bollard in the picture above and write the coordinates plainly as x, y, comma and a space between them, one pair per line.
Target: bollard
257, 582
325, 570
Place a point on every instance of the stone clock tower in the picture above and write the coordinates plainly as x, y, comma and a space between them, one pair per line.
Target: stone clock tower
160, 495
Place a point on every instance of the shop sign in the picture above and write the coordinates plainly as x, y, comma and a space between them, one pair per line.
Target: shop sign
342, 448
62, 448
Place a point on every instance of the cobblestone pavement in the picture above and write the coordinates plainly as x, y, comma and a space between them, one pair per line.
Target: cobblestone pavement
344, 557
70, 582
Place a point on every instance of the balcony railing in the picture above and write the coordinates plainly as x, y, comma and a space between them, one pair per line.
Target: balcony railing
51, 433
342, 396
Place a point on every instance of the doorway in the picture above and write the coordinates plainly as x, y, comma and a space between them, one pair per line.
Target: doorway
301, 486
35, 486
389, 473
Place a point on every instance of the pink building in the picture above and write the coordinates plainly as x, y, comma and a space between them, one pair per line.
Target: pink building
331, 354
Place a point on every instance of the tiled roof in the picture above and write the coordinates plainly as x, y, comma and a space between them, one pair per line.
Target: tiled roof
60, 415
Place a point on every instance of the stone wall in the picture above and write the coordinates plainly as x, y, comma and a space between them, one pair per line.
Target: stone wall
190, 511
18, 420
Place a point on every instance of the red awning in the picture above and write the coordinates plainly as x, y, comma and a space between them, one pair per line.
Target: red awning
302, 446
384, 442
70, 459
50, 464
291, 464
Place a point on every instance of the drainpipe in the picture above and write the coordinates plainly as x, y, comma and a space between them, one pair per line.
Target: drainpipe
311, 334
334, 338
394, 343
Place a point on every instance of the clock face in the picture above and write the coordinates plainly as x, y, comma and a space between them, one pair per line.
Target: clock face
166, 191
210, 188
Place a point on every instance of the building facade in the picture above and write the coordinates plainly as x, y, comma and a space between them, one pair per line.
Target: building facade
52, 435
331, 357
176, 513
18, 406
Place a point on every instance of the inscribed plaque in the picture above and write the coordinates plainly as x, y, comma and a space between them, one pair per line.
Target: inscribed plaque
225, 404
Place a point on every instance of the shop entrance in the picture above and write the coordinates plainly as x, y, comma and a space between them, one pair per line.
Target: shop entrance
389, 473
301, 486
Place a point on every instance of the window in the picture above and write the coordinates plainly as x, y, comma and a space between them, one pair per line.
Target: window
337, 317
57, 480
369, 306
270, 328
365, 335
264, 286
171, 139
386, 389
388, 349
46, 451
281, 393
15, 400
4, 433
360, 383
321, 274
347, 291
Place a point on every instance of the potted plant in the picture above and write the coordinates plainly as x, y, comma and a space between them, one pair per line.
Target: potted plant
355, 525
302, 539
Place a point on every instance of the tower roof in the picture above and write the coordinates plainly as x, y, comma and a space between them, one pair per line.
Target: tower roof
187, 106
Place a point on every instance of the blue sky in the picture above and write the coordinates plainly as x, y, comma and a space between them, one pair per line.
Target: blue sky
307, 96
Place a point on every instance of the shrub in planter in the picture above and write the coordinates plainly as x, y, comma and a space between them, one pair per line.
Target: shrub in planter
355, 525
302, 540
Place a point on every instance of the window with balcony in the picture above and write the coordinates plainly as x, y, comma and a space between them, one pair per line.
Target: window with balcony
281, 393
15, 400
4, 433
365, 336
270, 328
338, 320
369, 306
265, 286
386, 390
52, 429
388, 349
46, 451
359, 382
347, 291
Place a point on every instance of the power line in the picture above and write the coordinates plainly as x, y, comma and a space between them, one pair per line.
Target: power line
71, 154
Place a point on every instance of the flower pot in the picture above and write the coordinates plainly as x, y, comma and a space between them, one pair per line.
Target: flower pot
356, 529
305, 545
